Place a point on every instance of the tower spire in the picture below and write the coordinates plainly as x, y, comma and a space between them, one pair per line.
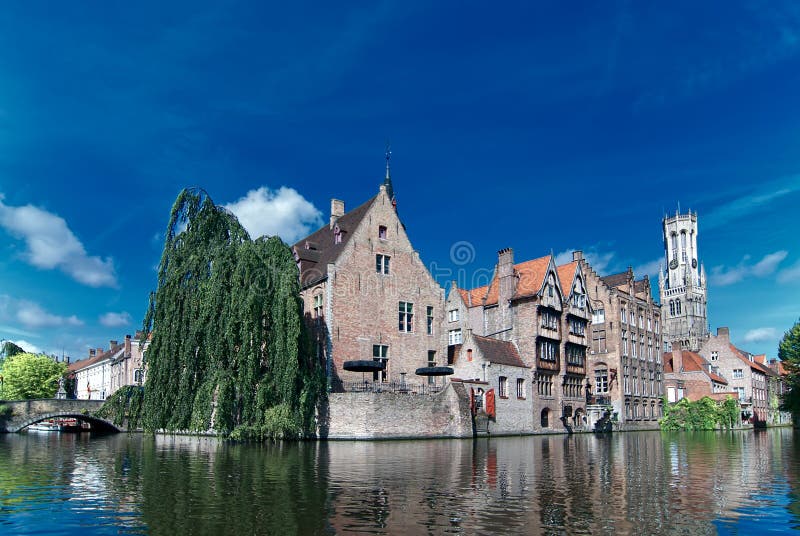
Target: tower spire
387, 182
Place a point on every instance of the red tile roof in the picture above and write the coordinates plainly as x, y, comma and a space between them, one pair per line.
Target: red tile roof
566, 273
89, 361
692, 362
500, 352
530, 276
474, 297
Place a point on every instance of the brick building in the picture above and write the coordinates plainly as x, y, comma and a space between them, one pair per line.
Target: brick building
367, 295
542, 310
624, 361
688, 375
127, 367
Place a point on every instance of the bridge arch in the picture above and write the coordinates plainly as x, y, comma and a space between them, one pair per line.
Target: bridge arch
23, 413
97, 423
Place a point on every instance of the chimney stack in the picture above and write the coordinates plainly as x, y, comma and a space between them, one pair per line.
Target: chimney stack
577, 255
112, 343
725, 333
506, 282
91, 352
127, 345
677, 361
337, 210
100, 351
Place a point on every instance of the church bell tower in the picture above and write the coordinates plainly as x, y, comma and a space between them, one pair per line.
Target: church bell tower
682, 285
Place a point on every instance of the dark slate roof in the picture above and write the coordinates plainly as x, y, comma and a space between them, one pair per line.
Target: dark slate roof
318, 249
615, 280
641, 285
500, 352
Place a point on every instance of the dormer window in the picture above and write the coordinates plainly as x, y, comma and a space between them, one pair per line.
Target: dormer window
382, 232
337, 235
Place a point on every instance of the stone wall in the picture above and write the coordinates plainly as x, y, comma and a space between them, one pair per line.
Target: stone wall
397, 415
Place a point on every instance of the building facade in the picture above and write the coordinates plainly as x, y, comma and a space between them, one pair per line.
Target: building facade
624, 362
367, 295
541, 309
93, 377
128, 367
682, 285
688, 375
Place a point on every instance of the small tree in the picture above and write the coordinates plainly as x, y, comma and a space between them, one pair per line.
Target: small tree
789, 354
9, 349
28, 376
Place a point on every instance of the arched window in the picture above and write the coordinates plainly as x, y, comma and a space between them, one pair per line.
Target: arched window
671, 308
674, 238
684, 255
677, 307
545, 419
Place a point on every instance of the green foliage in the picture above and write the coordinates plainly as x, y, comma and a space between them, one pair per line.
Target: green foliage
703, 414
789, 354
229, 352
5, 411
124, 405
27, 376
9, 349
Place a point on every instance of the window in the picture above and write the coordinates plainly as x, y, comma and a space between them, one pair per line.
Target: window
674, 240
430, 320
544, 384
601, 380
641, 321
503, 387
138, 376
452, 315
633, 345
380, 353
738, 374
599, 316
548, 350
520, 388
545, 418
454, 336
677, 307
431, 363
578, 296
623, 316
649, 324
577, 326
624, 342
671, 308
649, 348
740, 392
382, 232
714, 356
658, 330
549, 319
550, 285
575, 355
382, 264
406, 317
337, 235
598, 341
318, 306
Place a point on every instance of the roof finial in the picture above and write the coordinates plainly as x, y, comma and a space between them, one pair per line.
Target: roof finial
387, 182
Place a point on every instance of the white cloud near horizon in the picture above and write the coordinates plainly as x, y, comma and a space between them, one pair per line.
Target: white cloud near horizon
728, 275
760, 335
51, 244
32, 315
115, 320
792, 273
27, 346
283, 212
598, 261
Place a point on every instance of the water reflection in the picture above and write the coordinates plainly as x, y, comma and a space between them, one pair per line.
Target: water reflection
647, 482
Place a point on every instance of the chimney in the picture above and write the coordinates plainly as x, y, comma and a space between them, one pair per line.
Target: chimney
127, 345
577, 255
725, 333
100, 351
112, 343
677, 361
505, 280
67, 360
91, 352
337, 210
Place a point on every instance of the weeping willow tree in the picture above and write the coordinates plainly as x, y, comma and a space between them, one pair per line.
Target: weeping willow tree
229, 352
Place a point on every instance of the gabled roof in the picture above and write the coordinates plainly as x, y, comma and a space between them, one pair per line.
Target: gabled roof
89, 361
741, 354
319, 249
640, 285
500, 352
474, 297
566, 275
616, 280
692, 362
530, 277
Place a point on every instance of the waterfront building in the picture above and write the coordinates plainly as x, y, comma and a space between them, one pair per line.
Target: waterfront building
748, 378
128, 368
93, 374
625, 368
682, 285
541, 309
367, 295
688, 375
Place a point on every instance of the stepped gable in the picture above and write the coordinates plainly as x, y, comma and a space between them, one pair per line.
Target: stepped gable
530, 278
319, 249
499, 352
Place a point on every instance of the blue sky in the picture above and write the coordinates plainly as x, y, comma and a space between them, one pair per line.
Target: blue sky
538, 126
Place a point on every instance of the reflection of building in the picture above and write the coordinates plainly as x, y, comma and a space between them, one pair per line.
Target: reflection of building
625, 366
367, 294
541, 309
683, 285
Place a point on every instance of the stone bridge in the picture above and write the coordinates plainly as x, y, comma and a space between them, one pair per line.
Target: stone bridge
26, 412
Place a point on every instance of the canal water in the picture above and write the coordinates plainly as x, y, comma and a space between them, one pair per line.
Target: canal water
643, 483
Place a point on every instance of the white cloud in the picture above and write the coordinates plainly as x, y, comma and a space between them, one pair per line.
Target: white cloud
51, 244
751, 201
32, 315
599, 262
760, 335
650, 268
114, 320
284, 212
727, 275
790, 274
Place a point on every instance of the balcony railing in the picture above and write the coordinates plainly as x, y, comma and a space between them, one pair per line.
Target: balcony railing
392, 387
